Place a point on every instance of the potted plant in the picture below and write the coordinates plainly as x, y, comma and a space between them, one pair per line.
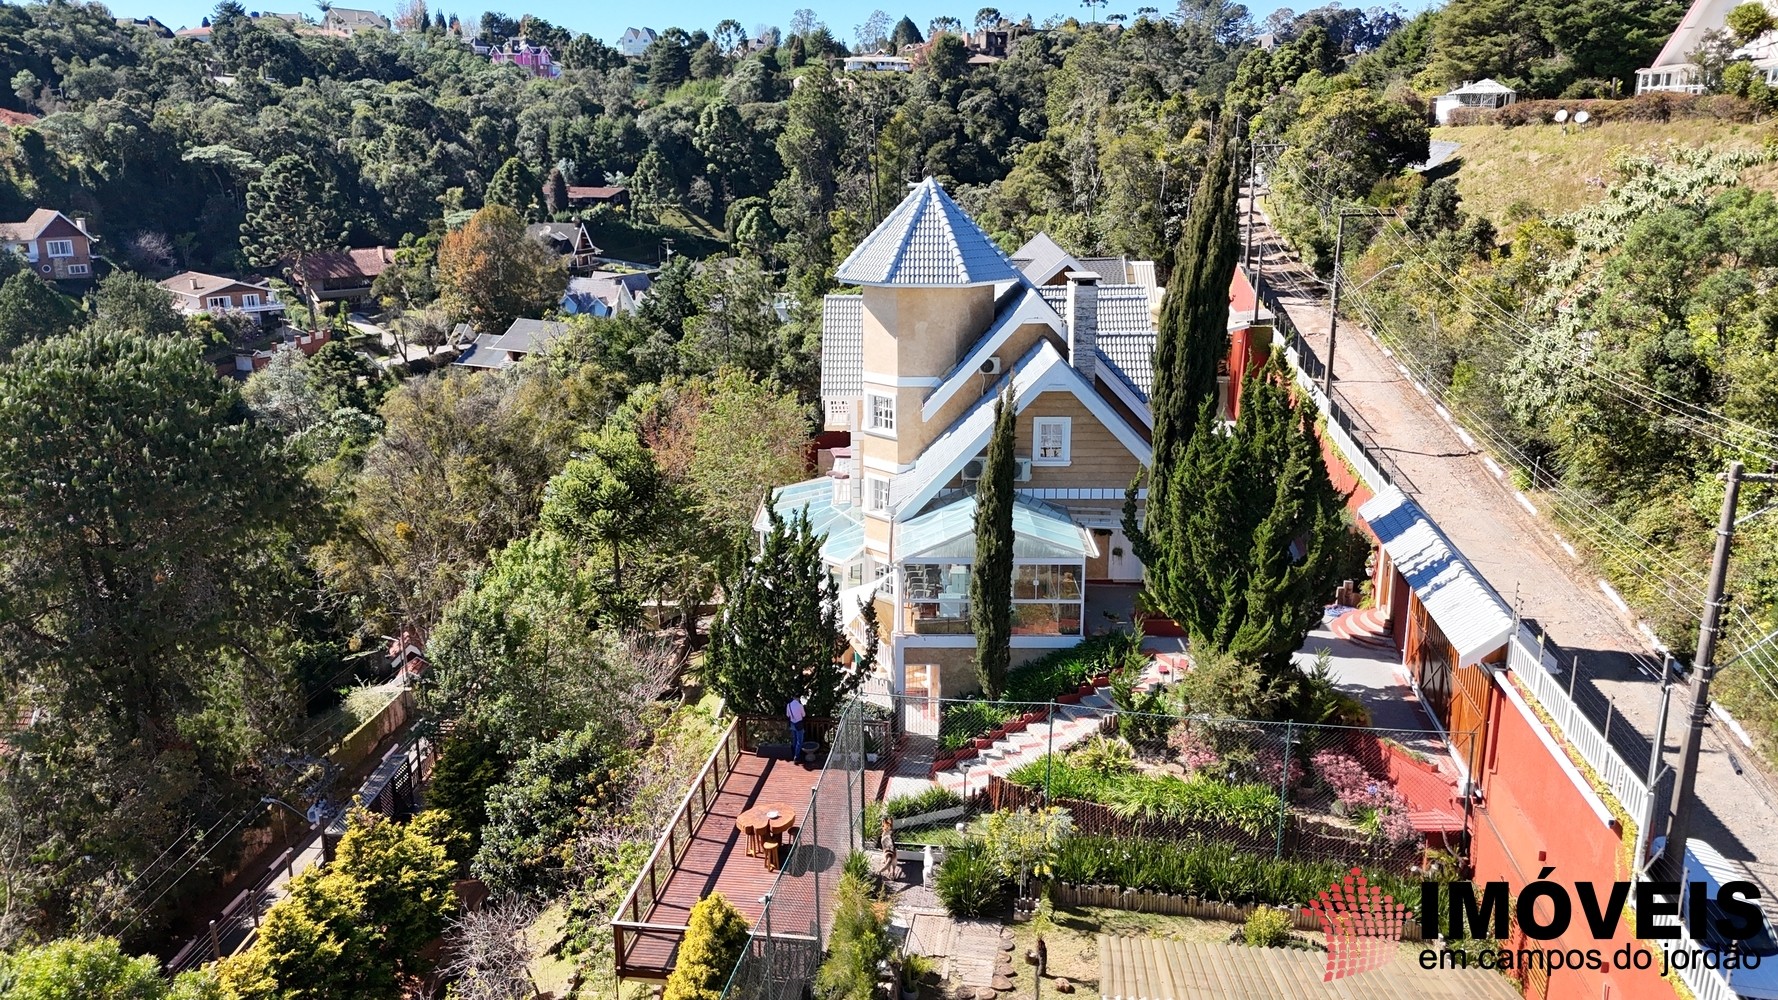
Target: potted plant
1016, 726
1071, 698
983, 742
1087, 688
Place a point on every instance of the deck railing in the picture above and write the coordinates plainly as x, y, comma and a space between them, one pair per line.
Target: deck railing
629, 923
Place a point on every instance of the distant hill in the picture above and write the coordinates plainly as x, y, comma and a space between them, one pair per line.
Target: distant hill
1557, 170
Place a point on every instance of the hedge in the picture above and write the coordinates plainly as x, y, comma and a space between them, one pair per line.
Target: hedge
1208, 871
1251, 808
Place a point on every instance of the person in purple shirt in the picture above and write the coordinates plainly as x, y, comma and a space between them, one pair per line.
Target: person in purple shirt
794, 712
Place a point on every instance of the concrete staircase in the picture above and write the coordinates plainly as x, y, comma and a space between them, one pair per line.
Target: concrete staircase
1067, 725
1368, 627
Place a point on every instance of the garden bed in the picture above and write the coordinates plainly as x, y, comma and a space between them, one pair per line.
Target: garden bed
1061, 677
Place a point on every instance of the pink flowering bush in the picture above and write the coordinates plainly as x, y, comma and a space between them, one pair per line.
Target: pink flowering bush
1378, 806
1194, 750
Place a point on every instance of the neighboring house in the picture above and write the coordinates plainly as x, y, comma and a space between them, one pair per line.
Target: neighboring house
1473, 94
351, 21
1672, 69
635, 41
569, 239
606, 293
10, 117
149, 24
879, 63
56, 247
196, 293
294, 340
343, 275
533, 59
586, 196
524, 336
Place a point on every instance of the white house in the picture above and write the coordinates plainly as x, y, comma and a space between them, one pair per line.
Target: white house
1673, 71
879, 63
635, 41
1473, 94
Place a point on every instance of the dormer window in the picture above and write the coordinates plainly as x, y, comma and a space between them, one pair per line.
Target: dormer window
879, 414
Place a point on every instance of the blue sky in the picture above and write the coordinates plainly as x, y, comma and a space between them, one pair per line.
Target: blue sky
608, 21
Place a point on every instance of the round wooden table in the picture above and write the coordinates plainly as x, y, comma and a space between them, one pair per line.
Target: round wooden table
753, 823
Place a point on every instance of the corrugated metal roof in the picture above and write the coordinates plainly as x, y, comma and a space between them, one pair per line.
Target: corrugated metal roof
1471, 615
842, 346
927, 241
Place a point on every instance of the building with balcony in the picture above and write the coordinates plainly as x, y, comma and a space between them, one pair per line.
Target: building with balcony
195, 293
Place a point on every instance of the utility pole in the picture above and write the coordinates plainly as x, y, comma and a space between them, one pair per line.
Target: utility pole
1679, 818
1645, 822
1333, 308
1253, 149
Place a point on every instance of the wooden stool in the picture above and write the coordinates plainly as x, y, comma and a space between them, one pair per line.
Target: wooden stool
771, 847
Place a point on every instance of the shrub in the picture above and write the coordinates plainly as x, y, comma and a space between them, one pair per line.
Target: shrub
1267, 928
1209, 870
965, 720
860, 937
969, 883
1253, 809
715, 936
533, 814
934, 799
1106, 757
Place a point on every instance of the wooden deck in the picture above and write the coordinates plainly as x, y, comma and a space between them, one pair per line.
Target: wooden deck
1132, 968
711, 857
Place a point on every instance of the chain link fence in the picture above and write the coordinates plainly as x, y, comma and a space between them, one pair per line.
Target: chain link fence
786, 943
1323, 791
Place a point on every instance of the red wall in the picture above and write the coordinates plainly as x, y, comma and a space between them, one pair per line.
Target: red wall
1531, 815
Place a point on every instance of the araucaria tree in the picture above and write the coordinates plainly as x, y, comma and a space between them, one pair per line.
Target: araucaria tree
1253, 556
779, 634
291, 215
990, 579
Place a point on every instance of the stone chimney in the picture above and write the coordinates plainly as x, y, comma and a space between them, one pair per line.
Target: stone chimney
1082, 317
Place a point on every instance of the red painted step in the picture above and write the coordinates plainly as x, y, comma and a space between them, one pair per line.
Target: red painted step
1366, 626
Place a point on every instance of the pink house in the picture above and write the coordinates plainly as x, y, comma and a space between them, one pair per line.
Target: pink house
534, 59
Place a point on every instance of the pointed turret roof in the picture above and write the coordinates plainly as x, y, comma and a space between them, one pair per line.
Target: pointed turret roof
927, 242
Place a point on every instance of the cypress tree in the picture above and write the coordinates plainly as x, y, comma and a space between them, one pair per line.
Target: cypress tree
990, 579
1261, 541
779, 633
1191, 341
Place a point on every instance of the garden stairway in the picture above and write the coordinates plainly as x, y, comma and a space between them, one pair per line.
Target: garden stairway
1067, 725
1368, 627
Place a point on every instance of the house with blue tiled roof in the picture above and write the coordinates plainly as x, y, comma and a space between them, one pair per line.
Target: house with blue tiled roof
911, 364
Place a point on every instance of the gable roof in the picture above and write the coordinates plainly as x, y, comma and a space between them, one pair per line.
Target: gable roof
357, 18
567, 232
1042, 369
11, 117
1024, 309
1042, 258
842, 345
34, 224
595, 192
1040, 531
927, 241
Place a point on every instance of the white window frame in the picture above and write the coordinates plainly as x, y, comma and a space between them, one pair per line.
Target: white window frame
1038, 425
51, 246
250, 300
79, 269
872, 422
221, 302
871, 485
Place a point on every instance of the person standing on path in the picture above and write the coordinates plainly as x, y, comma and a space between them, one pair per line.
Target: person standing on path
794, 712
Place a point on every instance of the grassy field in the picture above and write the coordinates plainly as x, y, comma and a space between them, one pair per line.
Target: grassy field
1557, 170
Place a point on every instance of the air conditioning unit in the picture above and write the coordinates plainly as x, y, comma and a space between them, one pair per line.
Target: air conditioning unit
991, 366
1023, 471
974, 468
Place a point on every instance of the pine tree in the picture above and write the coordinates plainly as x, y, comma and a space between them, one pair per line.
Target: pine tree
291, 215
1192, 340
990, 579
779, 634
515, 186
715, 935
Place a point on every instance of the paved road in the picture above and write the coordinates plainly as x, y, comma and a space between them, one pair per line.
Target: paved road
1518, 554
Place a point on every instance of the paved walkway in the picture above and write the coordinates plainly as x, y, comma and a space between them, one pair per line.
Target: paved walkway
1518, 554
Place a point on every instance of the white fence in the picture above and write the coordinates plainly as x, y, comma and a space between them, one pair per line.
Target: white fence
1529, 665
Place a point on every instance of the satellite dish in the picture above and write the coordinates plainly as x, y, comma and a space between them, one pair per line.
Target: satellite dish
1561, 116
1581, 117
